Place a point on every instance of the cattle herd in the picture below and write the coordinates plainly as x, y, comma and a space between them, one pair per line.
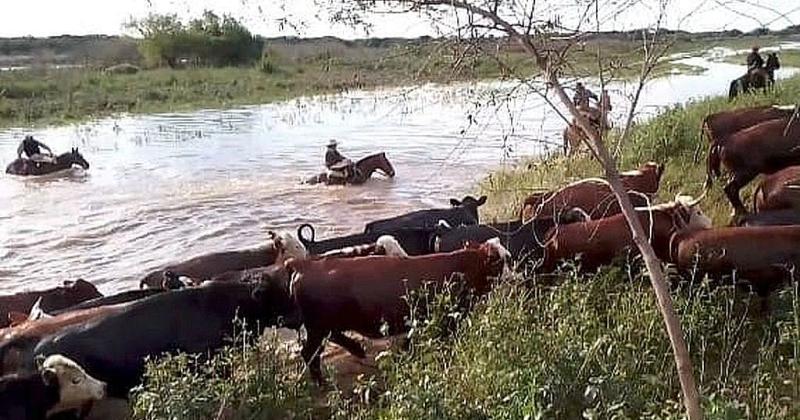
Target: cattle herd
66, 350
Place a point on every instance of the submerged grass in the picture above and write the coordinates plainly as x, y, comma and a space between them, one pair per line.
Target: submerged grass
593, 346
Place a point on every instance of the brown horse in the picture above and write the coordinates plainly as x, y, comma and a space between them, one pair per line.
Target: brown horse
760, 78
574, 136
62, 162
364, 169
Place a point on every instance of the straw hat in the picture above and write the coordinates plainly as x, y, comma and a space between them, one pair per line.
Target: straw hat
332, 143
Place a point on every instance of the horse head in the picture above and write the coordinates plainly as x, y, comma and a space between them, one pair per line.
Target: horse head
773, 63
78, 159
386, 165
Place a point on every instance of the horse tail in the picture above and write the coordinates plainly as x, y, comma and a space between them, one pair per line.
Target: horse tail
733, 92
713, 163
303, 228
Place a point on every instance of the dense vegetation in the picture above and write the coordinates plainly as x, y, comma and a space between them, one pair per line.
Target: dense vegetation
590, 346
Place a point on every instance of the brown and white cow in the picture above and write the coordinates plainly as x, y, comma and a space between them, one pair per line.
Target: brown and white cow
594, 195
778, 191
599, 242
71, 293
365, 294
766, 256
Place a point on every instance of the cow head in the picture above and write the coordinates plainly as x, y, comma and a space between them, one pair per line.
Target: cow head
75, 386
287, 246
496, 256
470, 204
174, 281
389, 245
80, 290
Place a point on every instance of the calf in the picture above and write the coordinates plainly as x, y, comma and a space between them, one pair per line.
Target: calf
594, 195
364, 294
193, 320
777, 191
766, 256
59, 385
413, 241
599, 242
72, 293
464, 212
524, 240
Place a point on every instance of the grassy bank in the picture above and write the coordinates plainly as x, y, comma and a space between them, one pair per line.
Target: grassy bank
593, 346
56, 96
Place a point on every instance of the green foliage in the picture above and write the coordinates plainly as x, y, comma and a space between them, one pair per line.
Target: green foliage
208, 41
243, 381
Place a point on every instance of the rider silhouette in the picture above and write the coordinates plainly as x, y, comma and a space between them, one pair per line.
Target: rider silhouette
582, 96
32, 150
754, 60
338, 166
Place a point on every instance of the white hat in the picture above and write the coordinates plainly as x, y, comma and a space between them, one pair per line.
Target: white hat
332, 143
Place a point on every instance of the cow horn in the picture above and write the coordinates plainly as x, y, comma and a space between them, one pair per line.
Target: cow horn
693, 202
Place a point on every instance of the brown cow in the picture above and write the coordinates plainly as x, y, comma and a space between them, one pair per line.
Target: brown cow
594, 195
778, 191
70, 294
764, 148
718, 126
765, 255
599, 242
365, 294
19, 341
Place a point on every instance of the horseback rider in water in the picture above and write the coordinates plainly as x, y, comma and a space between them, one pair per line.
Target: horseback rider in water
338, 166
32, 150
754, 60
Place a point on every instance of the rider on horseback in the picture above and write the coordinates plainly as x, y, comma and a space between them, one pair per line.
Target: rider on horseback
338, 166
32, 149
582, 96
754, 60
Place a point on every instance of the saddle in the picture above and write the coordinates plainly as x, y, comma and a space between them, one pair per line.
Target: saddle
342, 169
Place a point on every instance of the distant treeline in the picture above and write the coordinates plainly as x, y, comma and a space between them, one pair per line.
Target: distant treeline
212, 40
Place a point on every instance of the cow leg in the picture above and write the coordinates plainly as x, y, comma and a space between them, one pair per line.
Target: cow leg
352, 346
736, 183
312, 351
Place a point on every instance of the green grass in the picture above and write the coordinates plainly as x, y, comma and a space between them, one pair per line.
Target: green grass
591, 346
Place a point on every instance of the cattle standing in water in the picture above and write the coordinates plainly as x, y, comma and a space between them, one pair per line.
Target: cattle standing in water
413, 241
778, 191
193, 320
365, 294
594, 195
464, 212
599, 242
60, 385
766, 256
523, 240
72, 293
764, 148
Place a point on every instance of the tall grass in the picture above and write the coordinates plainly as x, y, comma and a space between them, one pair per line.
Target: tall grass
592, 346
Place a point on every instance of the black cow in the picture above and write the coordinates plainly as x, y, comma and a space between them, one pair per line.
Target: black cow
122, 297
464, 212
523, 240
785, 217
192, 320
414, 241
208, 266
58, 386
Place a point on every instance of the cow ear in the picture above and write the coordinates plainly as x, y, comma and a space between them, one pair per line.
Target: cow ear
454, 202
49, 377
38, 360
482, 200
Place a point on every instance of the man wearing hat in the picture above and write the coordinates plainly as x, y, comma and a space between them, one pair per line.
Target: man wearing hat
338, 166
32, 149
754, 60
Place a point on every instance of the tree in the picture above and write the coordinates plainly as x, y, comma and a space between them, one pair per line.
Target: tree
548, 41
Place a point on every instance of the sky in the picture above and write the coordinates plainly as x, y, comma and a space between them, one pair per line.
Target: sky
80, 17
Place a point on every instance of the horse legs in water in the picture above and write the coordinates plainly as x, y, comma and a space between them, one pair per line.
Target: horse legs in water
737, 182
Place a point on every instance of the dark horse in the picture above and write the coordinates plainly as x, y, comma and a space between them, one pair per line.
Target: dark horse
363, 171
760, 78
62, 162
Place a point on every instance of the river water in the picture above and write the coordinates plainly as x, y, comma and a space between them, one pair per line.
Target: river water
167, 187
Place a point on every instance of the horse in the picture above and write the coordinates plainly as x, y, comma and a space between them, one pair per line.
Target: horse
573, 135
363, 171
64, 161
760, 78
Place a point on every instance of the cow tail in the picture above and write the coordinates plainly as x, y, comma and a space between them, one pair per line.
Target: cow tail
712, 164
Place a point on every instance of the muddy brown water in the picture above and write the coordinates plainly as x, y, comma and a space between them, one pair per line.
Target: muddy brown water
166, 187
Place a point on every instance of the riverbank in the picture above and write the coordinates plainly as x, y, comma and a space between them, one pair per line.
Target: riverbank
593, 346
54, 96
